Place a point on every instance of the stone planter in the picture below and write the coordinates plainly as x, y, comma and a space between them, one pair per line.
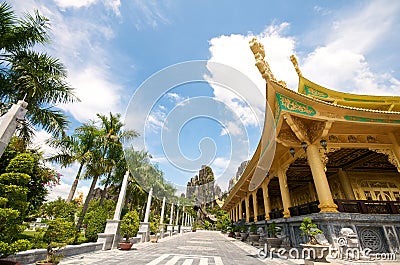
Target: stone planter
243, 236
274, 242
237, 234
317, 252
254, 238
43, 262
153, 238
125, 245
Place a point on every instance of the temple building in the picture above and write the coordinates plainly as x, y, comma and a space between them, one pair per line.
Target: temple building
336, 160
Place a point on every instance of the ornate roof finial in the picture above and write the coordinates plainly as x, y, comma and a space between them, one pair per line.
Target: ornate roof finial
259, 54
296, 65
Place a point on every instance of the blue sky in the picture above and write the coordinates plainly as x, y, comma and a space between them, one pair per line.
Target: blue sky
110, 47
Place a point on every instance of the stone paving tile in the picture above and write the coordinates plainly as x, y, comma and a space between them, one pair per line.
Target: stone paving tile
199, 248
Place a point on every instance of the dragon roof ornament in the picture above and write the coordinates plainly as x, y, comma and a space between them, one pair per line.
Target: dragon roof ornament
259, 54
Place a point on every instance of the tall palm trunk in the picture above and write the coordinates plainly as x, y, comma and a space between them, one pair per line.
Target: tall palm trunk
86, 204
104, 191
75, 184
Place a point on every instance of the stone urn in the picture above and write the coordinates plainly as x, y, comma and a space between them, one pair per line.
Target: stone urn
253, 238
274, 242
125, 245
316, 252
153, 238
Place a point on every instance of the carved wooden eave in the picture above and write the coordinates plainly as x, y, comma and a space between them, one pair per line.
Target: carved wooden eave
343, 120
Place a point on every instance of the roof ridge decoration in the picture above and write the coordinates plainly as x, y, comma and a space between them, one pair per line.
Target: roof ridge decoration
263, 67
296, 65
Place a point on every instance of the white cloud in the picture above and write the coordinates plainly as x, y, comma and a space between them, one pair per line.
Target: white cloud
341, 62
148, 13
175, 97
39, 142
63, 189
97, 93
231, 128
75, 3
112, 4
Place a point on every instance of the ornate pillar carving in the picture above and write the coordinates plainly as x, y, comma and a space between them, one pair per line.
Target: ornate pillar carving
324, 194
247, 205
267, 203
391, 155
255, 205
345, 182
284, 188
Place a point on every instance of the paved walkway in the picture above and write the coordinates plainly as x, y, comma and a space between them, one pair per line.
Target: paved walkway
199, 248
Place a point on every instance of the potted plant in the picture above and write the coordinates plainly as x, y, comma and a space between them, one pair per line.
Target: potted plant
236, 229
194, 226
272, 239
243, 232
318, 251
253, 237
59, 233
231, 231
129, 227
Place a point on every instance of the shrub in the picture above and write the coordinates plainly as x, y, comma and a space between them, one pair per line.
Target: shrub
60, 230
130, 224
95, 221
310, 229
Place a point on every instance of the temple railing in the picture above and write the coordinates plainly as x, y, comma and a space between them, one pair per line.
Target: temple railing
371, 207
345, 206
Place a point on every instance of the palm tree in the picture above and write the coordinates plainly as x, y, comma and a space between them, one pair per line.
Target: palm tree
102, 160
75, 148
36, 77
113, 135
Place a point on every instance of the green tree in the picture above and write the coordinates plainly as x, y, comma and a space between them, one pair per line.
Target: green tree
27, 74
13, 208
130, 224
101, 162
96, 218
75, 148
60, 209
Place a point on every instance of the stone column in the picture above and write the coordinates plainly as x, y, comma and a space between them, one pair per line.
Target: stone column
267, 202
255, 205
170, 227
147, 214
247, 204
324, 194
284, 188
183, 216
345, 182
9, 122
176, 228
144, 228
111, 236
161, 227
240, 210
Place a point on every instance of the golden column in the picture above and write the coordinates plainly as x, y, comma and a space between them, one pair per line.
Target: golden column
255, 205
284, 192
240, 210
396, 150
324, 194
237, 213
345, 182
267, 203
246, 201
